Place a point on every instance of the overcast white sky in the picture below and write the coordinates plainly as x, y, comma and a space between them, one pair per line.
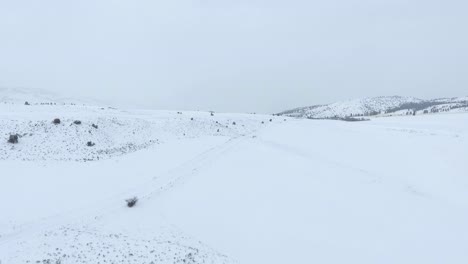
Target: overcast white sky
235, 55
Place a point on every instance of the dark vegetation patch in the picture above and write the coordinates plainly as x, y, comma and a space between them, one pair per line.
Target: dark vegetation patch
131, 202
13, 139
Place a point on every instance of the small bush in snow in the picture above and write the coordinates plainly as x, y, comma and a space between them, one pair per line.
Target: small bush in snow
95, 126
13, 139
26, 103
56, 121
77, 122
131, 202
90, 144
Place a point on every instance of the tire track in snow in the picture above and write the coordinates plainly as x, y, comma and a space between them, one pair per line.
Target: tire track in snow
90, 214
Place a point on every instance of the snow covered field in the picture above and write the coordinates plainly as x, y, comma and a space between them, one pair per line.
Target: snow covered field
231, 188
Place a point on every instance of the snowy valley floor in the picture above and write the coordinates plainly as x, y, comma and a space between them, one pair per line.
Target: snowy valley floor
391, 190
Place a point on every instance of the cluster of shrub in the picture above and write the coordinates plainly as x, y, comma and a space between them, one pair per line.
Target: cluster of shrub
14, 138
424, 105
346, 118
27, 103
371, 113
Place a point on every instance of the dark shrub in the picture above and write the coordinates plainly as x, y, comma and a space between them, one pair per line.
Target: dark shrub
56, 121
131, 202
90, 144
77, 122
95, 126
13, 139
233, 123
26, 103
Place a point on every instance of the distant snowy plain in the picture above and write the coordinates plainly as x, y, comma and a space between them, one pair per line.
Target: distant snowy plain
230, 188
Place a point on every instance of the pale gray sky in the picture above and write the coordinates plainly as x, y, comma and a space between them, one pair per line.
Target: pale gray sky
235, 55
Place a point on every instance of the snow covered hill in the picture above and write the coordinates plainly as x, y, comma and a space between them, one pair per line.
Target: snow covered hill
65, 187
230, 188
16, 95
384, 105
110, 132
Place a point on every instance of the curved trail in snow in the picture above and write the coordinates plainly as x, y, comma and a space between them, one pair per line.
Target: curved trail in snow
144, 191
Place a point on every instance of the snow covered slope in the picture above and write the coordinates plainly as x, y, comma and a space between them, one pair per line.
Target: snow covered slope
113, 132
262, 189
69, 211
384, 105
391, 190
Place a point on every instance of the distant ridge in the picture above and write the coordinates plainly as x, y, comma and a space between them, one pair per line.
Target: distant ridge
19, 95
382, 105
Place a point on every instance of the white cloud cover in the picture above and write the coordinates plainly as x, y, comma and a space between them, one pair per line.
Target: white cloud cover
262, 56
